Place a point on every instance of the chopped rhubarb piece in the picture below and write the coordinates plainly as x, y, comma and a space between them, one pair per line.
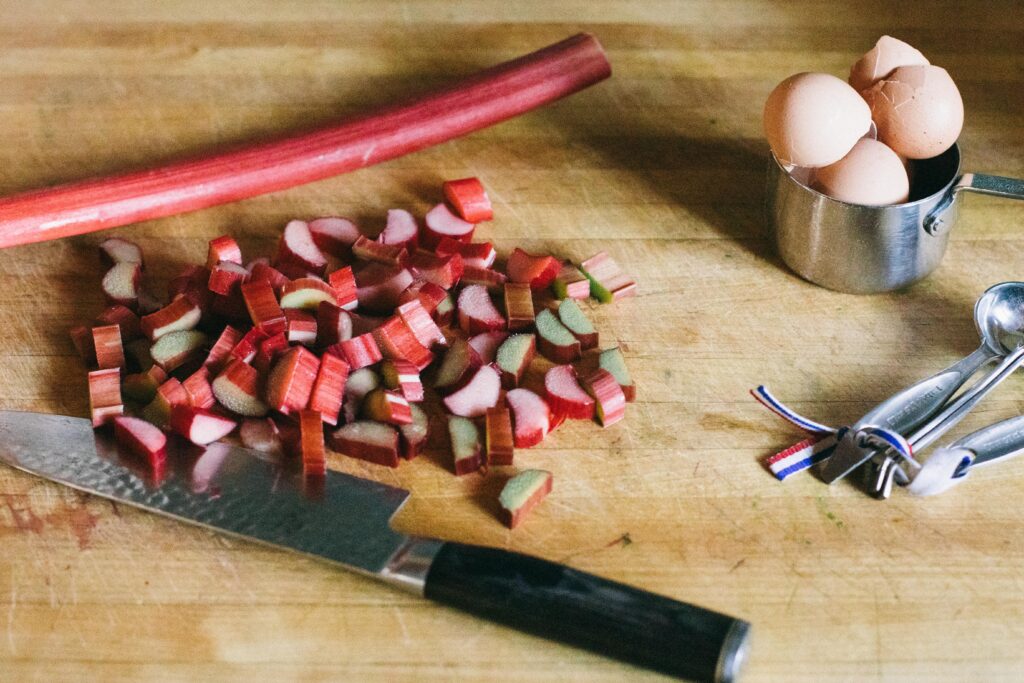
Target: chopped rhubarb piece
137, 354
114, 250
346, 294
221, 350
396, 341
334, 235
366, 440
193, 282
401, 230
457, 366
109, 351
366, 249
333, 325
180, 314
486, 344
537, 271
359, 384
489, 278
306, 293
291, 381
142, 440
444, 271
403, 376
479, 394
498, 437
477, 312
311, 439
612, 361
270, 348
554, 340
519, 306
576, 321
300, 326
262, 435
360, 351
121, 284
427, 293
380, 286
440, 222
168, 395
445, 311
81, 337
197, 386
607, 281
200, 426
522, 493
141, 387
124, 318
264, 310
105, 395
329, 388
608, 397
565, 395
237, 388
362, 323
297, 250
571, 283
422, 325
475, 254
249, 345
226, 277
467, 450
531, 417
263, 272
514, 357
223, 249
174, 349
469, 199
413, 436
387, 406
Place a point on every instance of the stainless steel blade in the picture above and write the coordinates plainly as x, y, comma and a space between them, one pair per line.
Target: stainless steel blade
224, 488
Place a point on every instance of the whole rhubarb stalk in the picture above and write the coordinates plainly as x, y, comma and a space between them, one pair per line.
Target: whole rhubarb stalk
488, 97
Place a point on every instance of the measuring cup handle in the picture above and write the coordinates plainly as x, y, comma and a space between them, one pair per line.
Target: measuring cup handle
995, 185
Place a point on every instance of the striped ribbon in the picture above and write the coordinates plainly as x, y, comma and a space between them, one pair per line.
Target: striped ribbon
804, 454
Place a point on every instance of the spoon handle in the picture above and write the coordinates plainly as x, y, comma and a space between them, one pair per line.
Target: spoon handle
903, 412
958, 409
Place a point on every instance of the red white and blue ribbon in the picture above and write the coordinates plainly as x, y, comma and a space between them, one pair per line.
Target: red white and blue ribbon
822, 444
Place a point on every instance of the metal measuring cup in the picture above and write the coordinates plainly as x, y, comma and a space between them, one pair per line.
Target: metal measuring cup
868, 249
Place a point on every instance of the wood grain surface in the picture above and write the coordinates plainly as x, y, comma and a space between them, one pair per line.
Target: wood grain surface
663, 166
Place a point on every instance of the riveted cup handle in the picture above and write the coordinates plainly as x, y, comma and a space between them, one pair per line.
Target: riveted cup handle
995, 185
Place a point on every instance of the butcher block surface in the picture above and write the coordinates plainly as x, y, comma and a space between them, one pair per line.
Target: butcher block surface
662, 166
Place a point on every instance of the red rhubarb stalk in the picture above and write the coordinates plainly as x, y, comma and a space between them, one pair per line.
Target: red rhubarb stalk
483, 99
469, 199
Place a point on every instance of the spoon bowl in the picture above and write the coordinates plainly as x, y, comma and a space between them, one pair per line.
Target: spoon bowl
999, 317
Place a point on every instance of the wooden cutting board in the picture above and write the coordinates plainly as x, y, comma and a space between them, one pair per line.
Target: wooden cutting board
663, 167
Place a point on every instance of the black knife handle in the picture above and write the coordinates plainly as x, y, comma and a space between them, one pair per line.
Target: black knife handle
559, 603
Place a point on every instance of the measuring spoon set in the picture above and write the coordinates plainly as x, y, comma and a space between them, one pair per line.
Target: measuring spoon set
886, 440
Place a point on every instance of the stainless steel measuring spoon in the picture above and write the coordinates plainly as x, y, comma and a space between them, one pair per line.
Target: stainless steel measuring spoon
950, 465
999, 318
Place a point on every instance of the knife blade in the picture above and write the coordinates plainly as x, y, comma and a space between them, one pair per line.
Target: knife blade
346, 521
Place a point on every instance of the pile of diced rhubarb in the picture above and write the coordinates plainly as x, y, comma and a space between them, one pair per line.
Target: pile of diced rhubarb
340, 332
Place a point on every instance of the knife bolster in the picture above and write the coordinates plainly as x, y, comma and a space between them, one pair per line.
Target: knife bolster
408, 567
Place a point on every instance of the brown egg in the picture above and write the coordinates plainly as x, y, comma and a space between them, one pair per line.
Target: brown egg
918, 111
888, 54
871, 174
814, 119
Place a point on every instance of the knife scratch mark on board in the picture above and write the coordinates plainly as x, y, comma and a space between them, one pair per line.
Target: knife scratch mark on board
401, 624
10, 618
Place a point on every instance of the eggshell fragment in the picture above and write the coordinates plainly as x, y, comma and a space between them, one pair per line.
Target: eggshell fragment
877, 63
814, 119
918, 111
871, 175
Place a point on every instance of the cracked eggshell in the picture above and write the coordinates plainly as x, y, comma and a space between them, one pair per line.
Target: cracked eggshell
918, 111
887, 55
870, 175
814, 119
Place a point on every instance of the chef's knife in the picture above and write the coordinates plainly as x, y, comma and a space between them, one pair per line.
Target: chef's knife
347, 521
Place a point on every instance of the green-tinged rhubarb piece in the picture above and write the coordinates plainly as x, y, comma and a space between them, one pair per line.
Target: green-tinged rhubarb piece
522, 493
513, 357
612, 361
573, 317
466, 447
554, 340
607, 281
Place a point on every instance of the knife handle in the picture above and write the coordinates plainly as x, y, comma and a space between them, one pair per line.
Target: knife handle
560, 603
